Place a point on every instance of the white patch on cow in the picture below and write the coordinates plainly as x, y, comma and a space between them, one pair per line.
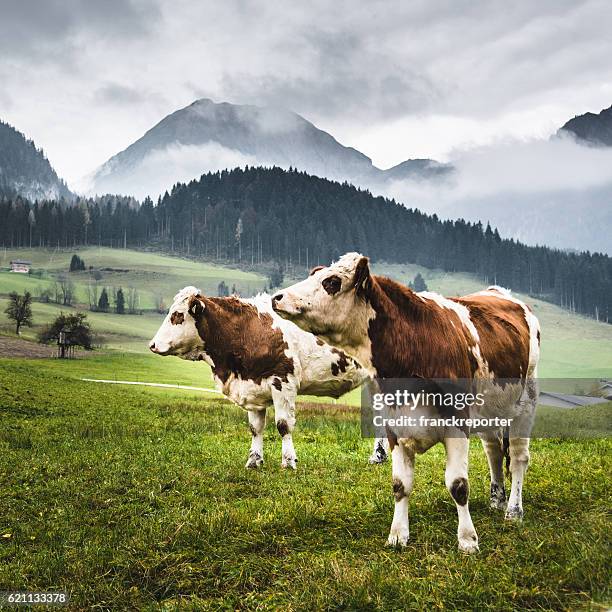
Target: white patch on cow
464, 316
342, 319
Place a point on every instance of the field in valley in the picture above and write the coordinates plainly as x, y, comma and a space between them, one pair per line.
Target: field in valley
137, 497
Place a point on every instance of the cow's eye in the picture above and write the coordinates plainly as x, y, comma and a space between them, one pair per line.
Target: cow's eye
332, 284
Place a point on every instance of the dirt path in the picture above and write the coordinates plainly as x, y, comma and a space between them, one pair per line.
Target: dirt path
149, 384
16, 347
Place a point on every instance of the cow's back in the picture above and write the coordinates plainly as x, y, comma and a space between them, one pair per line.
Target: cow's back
508, 332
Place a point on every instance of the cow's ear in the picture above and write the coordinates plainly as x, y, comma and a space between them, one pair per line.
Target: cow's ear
361, 280
196, 306
315, 270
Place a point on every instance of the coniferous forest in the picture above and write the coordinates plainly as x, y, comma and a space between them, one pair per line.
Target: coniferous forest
258, 215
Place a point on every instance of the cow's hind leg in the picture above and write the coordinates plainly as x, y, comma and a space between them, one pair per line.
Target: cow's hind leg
519, 460
520, 430
456, 478
284, 414
493, 447
257, 425
402, 460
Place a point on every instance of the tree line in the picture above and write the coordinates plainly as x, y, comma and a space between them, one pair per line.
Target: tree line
262, 215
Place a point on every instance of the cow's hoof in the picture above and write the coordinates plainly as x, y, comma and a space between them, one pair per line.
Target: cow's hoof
254, 461
289, 463
398, 538
469, 544
514, 513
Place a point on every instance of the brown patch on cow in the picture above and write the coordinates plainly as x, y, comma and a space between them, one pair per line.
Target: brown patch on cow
332, 284
320, 342
315, 270
416, 338
253, 431
503, 332
176, 318
283, 427
241, 341
392, 437
460, 490
361, 279
277, 384
342, 364
398, 489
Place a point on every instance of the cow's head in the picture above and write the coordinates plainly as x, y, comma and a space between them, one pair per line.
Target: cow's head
178, 334
331, 302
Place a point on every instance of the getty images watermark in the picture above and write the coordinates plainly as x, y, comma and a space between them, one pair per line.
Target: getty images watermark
422, 408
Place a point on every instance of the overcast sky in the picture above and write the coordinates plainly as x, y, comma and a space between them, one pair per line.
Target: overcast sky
404, 79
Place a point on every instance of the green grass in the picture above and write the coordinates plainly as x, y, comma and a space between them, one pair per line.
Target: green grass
134, 498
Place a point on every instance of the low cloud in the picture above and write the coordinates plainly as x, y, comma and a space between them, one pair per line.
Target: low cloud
555, 192
114, 93
161, 169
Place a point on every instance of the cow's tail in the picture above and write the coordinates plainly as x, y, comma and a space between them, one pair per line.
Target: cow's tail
506, 448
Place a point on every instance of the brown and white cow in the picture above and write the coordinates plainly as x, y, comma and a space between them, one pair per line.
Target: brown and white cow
257, 359
396, 333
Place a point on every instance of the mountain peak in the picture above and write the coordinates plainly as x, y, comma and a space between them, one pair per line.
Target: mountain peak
591, 128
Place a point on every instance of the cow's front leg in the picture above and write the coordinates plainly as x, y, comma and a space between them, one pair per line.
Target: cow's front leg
456, 478
257, 425
402, 461
493, 447
379, 452
284, 413
519, 460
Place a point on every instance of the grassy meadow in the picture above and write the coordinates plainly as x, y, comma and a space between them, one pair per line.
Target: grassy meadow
135, 497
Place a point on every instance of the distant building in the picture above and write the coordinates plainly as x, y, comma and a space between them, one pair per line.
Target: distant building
561, 400
606, 389
21, 266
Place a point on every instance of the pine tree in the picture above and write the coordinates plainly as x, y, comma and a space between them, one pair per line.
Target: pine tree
103, 302
120, 302
419, 283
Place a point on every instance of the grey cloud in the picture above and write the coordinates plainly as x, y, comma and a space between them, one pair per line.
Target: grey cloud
114, 93
350, 67
47, 29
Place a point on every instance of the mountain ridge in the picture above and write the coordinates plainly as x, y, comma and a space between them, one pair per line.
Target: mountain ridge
24, 169
255, 135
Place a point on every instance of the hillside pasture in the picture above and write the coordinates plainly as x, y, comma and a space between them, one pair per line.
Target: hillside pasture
573, 346
151, 274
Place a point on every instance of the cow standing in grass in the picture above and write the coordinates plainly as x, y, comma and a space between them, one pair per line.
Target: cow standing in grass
257, 359
489, 338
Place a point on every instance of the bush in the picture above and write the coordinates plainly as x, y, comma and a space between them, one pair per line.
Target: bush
76, 329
